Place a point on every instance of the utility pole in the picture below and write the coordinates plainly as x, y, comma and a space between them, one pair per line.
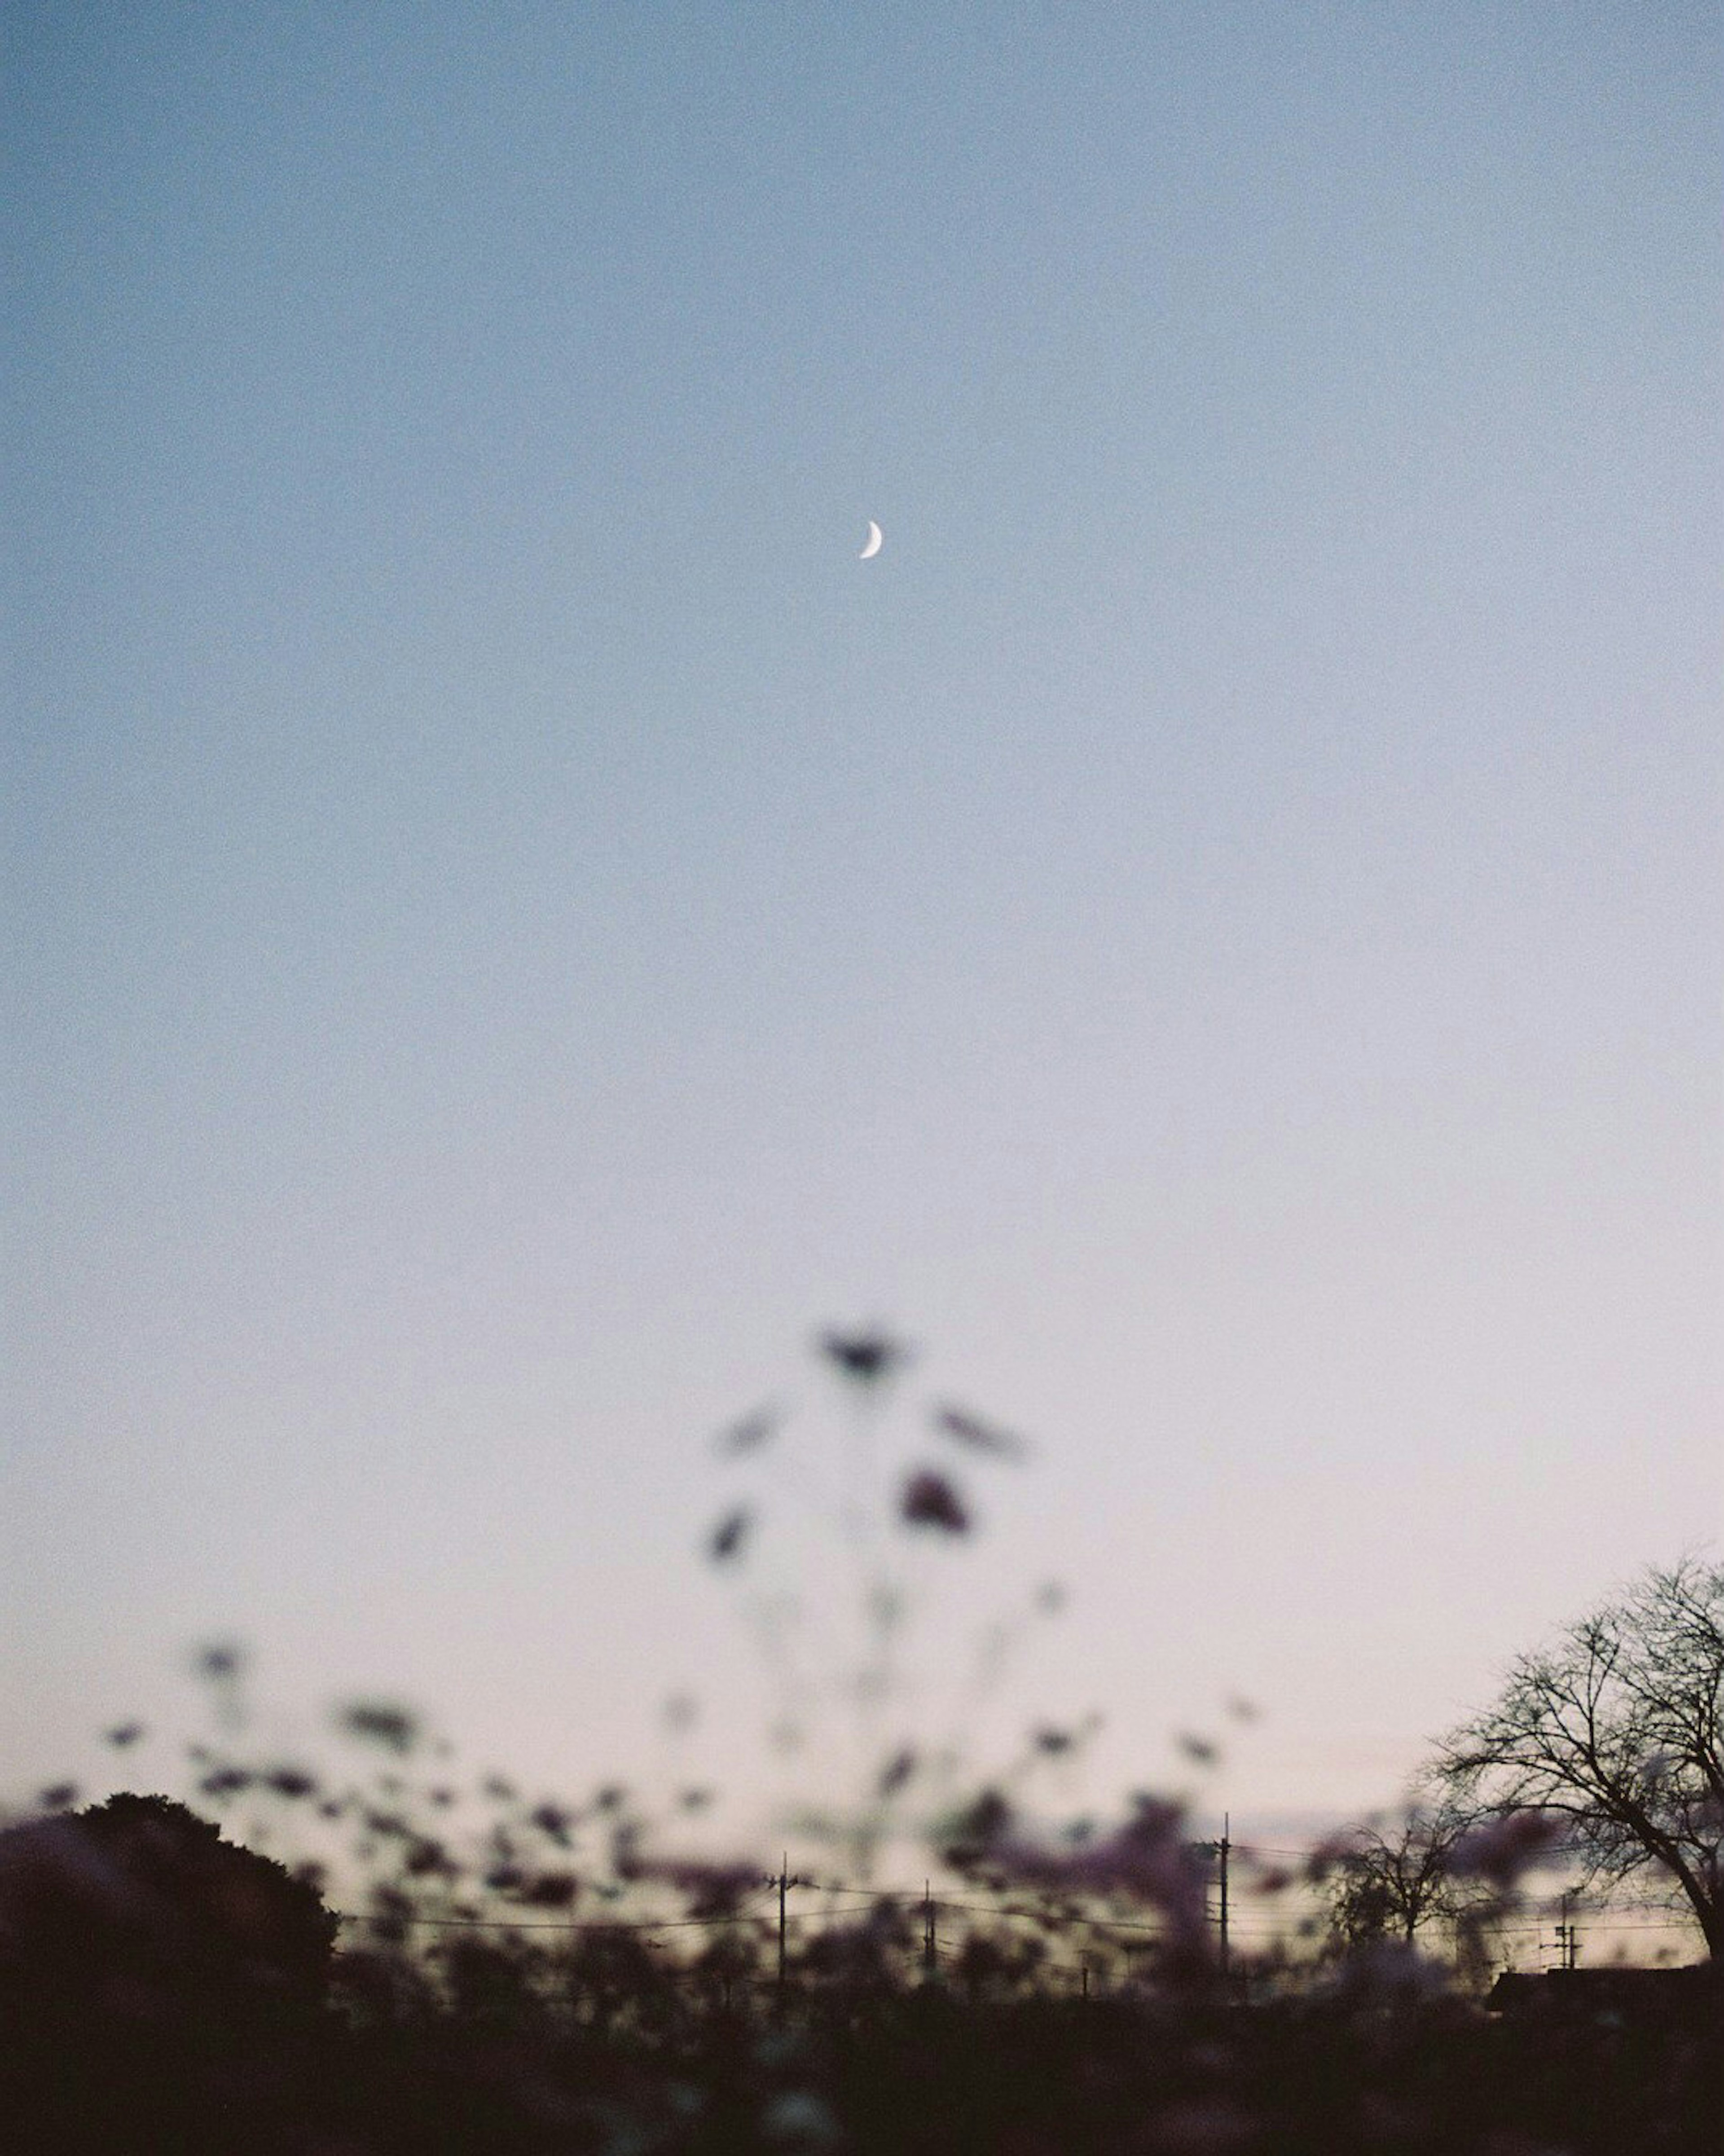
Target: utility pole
1568, 1939
930, 1951
783, 1882
1219, 1851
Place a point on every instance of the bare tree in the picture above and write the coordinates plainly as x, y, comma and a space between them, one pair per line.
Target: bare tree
1392, 1876
1617, 1730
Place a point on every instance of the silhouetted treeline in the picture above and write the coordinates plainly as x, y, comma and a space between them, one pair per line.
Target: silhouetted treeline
165, 1990
527, 1975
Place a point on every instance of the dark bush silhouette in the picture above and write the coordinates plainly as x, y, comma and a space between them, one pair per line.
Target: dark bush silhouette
141, 1895
160, 1988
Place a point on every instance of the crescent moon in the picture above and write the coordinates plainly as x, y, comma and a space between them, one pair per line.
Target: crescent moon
874, 536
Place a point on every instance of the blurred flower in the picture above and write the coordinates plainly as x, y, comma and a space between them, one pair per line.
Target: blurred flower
749, 1434
127, 1733
290, 1781
1199, 1750
1503, 1849
930, 1501
975, 1830
726, 1539
897, 1772
551, 1890
554, 1822
967, 1429
376, 1721
867, 1355
220, 1661
1146, 1858
711, 1888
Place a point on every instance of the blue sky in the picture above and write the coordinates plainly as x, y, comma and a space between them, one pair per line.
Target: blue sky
1214, 933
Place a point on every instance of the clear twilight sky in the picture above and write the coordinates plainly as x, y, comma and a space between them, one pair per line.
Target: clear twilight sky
1215, 933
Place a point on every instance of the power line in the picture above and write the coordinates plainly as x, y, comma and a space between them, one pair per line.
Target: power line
1254, 1922
534, 1924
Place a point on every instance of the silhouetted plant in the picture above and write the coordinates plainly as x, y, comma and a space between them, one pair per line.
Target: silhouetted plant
873, 1516
520, 1971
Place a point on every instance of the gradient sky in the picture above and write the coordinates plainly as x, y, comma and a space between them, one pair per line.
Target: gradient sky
1215, 933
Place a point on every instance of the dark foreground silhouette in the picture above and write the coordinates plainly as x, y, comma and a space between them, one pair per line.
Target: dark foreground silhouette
164, 1989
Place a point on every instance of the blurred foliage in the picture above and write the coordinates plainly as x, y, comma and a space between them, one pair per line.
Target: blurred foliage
447, 1965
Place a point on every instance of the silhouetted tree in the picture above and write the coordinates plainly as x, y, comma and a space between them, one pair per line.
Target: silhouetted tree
1617, 1732
1391, 1876
139, 1899
159, 1987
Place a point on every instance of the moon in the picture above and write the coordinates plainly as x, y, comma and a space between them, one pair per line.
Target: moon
874, 536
